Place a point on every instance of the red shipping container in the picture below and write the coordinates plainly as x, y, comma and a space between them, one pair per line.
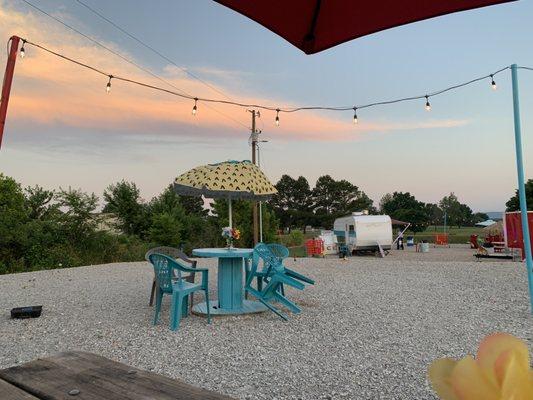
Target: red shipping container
513, 230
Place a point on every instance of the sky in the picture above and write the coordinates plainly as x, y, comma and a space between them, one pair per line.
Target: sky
63, 130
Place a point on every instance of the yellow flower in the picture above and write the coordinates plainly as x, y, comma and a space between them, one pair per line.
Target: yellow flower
501, 371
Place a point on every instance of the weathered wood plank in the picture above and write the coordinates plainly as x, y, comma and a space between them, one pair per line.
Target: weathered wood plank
10, 392
97, 377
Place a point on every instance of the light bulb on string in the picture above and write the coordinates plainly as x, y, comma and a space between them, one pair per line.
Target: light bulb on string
355, 120
195, 108
277, 117
428, 106
22, 50
493, 84
108, 87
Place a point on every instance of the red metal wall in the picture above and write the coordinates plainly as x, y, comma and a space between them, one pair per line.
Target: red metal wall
513, 230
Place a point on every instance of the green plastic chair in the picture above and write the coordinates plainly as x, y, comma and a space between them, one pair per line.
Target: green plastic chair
175, 254
274, 260
169, 280
274, 275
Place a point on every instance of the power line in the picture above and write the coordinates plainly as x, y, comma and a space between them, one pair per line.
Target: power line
114, 24
122, 57
278, 110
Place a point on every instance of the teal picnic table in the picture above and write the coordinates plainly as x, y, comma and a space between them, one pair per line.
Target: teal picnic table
231, 264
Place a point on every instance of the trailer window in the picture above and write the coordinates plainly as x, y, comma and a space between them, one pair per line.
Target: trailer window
351, 228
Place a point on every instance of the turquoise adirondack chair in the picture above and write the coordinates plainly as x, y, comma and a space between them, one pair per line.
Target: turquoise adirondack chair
273, 275
169, 280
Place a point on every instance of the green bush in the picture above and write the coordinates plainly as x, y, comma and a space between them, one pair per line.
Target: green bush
44, 229
165, 230
295, 238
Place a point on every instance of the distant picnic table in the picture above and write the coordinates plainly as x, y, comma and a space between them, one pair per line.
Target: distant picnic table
79, 375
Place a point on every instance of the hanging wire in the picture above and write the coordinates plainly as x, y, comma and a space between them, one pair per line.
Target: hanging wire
153, 50
265, 107
124, 58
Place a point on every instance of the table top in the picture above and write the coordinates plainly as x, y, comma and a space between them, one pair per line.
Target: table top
92, 377
223, 253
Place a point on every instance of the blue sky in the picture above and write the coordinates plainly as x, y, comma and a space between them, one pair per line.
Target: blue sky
85, 138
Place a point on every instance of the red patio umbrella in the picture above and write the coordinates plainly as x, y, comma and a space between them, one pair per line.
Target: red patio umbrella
316, 25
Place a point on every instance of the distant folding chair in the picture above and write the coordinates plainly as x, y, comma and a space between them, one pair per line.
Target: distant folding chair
174, 253
270, 280
169, 280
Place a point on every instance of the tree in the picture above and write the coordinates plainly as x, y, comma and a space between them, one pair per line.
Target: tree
479, 217
77, 215
457, 213
452, 207
513, 204
123, 199
165, 230
169, 200
333, 199
435, 214
466, 216
293, 203
405, 207
39, 202
13, 217
193, 205
385, 200
242, 219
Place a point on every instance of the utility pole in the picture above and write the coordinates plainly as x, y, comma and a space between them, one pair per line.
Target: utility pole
254, 151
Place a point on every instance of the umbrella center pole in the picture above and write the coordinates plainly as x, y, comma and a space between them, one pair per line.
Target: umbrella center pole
229, 211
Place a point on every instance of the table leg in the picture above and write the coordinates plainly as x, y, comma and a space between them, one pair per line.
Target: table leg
230, 285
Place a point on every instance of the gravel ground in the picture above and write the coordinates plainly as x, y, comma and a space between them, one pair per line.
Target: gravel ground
456, 252
368, 330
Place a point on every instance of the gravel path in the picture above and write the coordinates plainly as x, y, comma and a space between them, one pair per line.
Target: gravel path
368, 329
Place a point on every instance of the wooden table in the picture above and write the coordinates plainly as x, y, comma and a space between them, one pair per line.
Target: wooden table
85, 376
230, 283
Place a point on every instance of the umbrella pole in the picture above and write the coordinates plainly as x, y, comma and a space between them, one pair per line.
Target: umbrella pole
260, 222
229, 211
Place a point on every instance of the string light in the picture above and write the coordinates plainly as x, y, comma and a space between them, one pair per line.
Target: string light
108, 87
22, 50
265, 107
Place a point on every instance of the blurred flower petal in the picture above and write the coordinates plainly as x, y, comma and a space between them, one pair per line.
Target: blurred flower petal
492, 347
517, 381
470, 383
439, 374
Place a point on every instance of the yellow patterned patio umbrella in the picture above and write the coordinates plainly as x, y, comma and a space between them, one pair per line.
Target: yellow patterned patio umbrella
229, 179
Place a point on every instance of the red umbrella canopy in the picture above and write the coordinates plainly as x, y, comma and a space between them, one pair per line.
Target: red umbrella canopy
316, 25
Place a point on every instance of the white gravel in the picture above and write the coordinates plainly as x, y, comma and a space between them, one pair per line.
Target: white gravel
368, 330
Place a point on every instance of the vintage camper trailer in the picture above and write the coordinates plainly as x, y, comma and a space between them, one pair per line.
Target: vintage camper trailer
361, 232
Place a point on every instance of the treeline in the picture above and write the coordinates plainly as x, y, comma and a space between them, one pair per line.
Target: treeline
297, 205
42, 229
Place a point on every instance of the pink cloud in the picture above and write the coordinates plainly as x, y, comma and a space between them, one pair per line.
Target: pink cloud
50, 91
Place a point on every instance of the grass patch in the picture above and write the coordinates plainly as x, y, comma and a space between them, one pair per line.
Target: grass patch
455, 235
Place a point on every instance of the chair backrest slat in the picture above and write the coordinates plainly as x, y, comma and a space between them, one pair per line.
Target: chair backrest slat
270, 260
278, 250
172, 252
162, 270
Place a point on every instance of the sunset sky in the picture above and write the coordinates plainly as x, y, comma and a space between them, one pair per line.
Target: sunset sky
64, 130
